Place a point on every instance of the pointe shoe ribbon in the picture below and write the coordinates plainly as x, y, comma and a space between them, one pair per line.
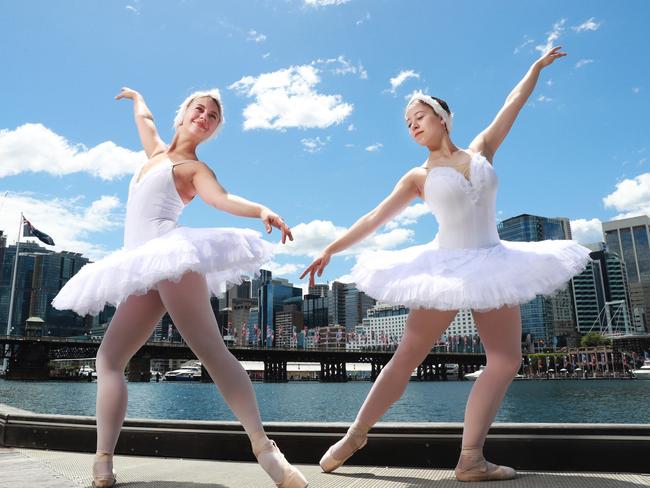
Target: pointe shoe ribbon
103, 480
359, 437
291, 477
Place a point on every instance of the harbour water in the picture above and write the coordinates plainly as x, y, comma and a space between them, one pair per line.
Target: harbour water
571, 401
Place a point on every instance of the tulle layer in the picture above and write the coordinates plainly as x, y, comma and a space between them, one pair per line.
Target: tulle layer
508, 273
223, 255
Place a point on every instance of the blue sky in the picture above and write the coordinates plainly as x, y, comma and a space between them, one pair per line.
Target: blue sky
314, 125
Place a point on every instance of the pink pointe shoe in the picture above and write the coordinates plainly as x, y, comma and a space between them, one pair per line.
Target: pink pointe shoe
283, 474
103, 472
472, 466
354, 440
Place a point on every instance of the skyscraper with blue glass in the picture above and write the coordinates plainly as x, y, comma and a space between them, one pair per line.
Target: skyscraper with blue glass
630, 239
548, 320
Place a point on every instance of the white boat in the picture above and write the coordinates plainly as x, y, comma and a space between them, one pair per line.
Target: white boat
187, 372
474, 376
643, 373
87, 370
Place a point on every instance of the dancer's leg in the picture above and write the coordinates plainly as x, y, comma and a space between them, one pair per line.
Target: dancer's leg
130, 327
423, 328
500, 332
188, 303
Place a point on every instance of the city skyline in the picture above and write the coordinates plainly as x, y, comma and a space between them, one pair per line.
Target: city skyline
65, 158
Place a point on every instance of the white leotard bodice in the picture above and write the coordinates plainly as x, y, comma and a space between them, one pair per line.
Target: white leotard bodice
153, 206
465, 210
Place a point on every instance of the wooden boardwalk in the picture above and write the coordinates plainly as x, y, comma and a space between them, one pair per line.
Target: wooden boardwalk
31, 468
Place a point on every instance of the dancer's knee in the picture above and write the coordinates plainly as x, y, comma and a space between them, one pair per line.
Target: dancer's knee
107, 361
506, 365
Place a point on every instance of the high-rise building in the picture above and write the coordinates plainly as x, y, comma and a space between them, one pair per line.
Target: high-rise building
630, 239
383, 326
602, 301
288, 323
548, 319
462, 325
40, 275
314, 310
347, 306
272, 295
319, 290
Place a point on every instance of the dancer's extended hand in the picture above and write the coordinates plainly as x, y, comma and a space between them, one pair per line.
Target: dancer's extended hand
316, 267
551, 55
126, 92
271, 219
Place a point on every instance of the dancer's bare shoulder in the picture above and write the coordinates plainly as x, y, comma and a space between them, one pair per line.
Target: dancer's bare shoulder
417, 176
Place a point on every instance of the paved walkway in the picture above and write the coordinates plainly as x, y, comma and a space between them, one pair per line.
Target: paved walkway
30, 468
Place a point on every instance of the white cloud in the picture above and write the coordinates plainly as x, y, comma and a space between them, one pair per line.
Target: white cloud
324, 3
527, 41
65, 220
351, 128
401, 77
374, 147
314, 145
255, 36
636, 89
131, 8
631, 197
587, 231
363, 19
284, 269
341, 66
583, 62
409, 215
553, 35
265, 55
35, 148
311, 238
544, 98
549, 82
587, 25
288, 98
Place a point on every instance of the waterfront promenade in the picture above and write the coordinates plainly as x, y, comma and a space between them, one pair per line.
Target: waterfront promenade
33, 468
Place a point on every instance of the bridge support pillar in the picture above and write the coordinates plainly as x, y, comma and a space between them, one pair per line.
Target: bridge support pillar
139, 369
375, 369
28, 362
275, 371
333, 372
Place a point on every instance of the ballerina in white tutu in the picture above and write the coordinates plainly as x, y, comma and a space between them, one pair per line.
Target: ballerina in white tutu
465, 266
167, 268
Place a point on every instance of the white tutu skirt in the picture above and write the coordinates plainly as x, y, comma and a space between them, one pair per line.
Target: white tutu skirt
223, 255
509, 273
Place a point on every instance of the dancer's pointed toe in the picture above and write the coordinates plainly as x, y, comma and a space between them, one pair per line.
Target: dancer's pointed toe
103, 472
283, 474
354, 440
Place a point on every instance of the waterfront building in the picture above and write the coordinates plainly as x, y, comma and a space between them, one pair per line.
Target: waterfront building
319, 290
254, 337
272, 295
462, 325
330, 337
40, 275
383, 326
347, 306
288, 324
315, 311
630, 239
548, 320
602, 299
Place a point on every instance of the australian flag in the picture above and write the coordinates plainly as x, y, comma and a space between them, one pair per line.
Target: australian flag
30, 231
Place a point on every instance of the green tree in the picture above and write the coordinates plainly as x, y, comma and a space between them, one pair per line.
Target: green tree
593, 339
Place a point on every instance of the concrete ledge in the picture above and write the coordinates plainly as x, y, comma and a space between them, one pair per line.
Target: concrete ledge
545, 447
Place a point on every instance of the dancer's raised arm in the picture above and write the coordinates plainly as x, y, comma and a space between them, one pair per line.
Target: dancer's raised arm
491, 138
211, 192
405, 191
151, 141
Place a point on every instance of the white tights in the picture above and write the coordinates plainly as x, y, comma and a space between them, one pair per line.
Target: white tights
500, 332
189, 307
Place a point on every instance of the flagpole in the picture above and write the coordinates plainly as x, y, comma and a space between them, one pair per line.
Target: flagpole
13, 289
